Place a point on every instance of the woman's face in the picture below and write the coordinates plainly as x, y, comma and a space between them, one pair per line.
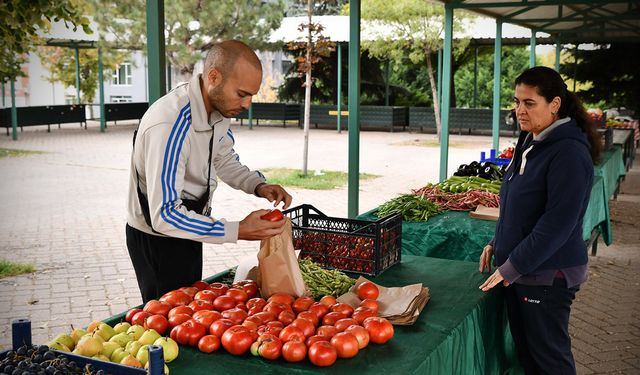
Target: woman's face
533, 111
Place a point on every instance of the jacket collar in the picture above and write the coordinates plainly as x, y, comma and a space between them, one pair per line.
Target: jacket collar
545, 133
199, 120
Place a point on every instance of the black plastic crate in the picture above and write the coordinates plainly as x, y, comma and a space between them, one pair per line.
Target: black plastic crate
349, 245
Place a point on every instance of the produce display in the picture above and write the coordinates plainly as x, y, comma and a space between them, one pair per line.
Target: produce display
486, 170
507, 153
321, 282
458, 184
42, 360
464, 201
338, 251
410, 206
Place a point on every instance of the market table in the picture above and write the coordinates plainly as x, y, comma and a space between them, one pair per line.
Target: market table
624, 138
460, 331
611, 168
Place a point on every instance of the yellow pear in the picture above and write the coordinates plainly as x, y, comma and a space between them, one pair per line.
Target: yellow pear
131, 361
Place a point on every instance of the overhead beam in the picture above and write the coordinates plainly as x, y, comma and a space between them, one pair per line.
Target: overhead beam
511, 4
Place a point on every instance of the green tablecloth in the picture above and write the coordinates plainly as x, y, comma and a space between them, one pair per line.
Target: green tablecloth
460, 331
610, 168
597, 214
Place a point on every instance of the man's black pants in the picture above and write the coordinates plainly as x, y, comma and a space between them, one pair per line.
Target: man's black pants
163, 264
539, 322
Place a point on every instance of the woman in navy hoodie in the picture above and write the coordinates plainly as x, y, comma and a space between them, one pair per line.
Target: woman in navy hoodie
538, 246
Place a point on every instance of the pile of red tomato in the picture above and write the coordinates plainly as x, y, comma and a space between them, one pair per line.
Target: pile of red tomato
208, 316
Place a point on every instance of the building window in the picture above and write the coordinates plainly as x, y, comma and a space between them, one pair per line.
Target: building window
120, 99
122, 75
70, 99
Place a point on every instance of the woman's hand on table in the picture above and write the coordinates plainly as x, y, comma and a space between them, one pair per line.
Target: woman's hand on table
492, 281
485, 258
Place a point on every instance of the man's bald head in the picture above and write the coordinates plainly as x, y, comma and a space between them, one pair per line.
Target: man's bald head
224, 55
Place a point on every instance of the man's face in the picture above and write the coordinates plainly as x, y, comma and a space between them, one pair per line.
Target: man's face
233, 94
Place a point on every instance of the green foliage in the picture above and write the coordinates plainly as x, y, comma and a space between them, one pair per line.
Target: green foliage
8, 268
21, 20
190, 27
514, 61
327, 180
11, 153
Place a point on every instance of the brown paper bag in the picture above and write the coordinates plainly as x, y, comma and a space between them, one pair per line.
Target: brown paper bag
278, 267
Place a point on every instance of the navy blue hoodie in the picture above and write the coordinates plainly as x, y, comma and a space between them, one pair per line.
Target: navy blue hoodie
543, 199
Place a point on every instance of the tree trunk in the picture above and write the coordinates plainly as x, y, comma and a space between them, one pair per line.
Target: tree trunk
307, 93
434, 93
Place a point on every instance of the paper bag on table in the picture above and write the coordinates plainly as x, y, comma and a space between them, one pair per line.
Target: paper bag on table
279, 271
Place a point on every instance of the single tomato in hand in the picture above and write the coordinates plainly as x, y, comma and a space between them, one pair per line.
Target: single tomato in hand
273, 215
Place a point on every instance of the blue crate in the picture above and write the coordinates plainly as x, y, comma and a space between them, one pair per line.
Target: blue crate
493, 159
21, 335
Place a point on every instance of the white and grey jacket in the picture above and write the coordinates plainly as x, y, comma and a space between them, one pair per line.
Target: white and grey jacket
171, 158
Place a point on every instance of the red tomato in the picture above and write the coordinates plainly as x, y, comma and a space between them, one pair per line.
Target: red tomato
346, 344
189, 290
220, 288
206, 295
322, 354
332, 317
206, 317
249, 286
275, 308
219, 326
254, 319
328, 331
130, 314
267, 346
315, 338
302, 304
273, 215
176, 298
310, 316
251, 325
178, 319
188, 333
286, 317
197, 305
238, 294
294, 351
274, 330
306, 326
266, 316
342, 324
157, 322
235, 315
201, 285
291, 332
370, 304
242, 307
343, 308
238, 339
380, 330
155, 307
224, 303
256, 302
140, 317
328, 301
209, 343
282, 298
361, 334
362, 313
180, 310
319, 309
367, 290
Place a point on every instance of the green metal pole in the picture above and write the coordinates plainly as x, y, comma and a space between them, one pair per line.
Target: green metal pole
440, 77
168, 76
446, 91
250, 116
532, 49
3, 103
386, 83
475, 78
339, 98
14, 113
156, 49
558, 50
497, 61
354, 107
77, 75
103, 122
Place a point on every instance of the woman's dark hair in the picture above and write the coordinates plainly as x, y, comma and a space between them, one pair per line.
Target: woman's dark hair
549, 84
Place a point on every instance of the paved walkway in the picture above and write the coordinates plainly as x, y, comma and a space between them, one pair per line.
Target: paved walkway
63, 211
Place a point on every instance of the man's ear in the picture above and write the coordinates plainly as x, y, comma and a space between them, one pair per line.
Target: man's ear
214, 77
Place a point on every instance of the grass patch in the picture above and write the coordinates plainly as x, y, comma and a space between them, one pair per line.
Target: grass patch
431, 143
8, 268
11, 153
327, 180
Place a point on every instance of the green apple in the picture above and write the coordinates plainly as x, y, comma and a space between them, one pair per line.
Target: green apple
136, 331
108, 348
170, 348
133, 347
118, 355
101, 357
89, 346
149, 336
121, 327
66, 340
57, 345
77, 333
106, 331
122, 339
131, 361
143, 354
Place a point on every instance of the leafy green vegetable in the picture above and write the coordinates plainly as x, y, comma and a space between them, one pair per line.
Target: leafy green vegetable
412, 208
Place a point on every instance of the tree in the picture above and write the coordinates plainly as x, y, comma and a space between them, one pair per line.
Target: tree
21, 21
409, 25
191, 27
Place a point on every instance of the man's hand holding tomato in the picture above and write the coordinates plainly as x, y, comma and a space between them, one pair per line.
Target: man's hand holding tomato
254, 227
